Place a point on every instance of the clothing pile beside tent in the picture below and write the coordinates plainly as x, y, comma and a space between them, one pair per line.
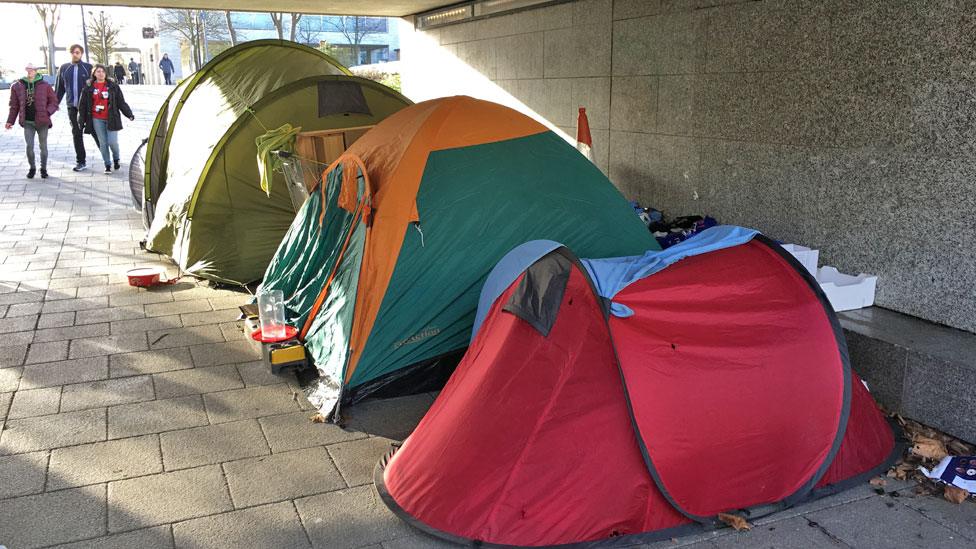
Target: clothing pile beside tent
382, 268
201, 194
617, 401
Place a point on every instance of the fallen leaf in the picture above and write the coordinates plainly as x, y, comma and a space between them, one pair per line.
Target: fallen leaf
735, 521
929, 448
317, 418
955, 495
878, 481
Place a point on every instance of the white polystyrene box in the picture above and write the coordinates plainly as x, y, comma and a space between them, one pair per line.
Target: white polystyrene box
807, 257
847, 292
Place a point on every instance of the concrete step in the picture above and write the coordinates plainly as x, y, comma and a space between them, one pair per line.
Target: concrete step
921, 370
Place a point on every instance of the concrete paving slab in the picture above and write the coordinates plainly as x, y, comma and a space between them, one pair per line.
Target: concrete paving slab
155, 416
794, 533
252, 402
149, 362
107, 392
53, 517
196, 381
47, 352
259, 373
295, 430
178, 307
886, 524
71, 332
104, 461
349, 518
166, 497
64, 372
209, 317
53, 431
108, 314
281, 477
22, 474
10, 379
160, 537
110, 345
212, 444
961, 518
214, 354
36, 402
391, 418
419, 541
276, 525
356, 459
12, 355
5, 399
146, 324
183, 337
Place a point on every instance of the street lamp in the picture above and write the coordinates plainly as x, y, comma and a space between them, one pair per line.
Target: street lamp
84, 33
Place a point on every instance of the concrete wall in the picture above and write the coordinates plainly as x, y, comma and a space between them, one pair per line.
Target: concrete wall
845, 125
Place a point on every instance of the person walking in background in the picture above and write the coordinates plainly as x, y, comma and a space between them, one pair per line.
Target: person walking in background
32, 102
102, 106
119, 72
70, 81
133, 71
166, 66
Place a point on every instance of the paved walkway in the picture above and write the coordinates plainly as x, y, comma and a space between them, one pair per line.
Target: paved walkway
140, 419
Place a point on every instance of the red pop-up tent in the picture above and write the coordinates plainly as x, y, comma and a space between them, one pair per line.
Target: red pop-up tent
625, 400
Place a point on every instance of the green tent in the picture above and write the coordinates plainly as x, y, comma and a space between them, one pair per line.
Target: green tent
202, 188
382, 268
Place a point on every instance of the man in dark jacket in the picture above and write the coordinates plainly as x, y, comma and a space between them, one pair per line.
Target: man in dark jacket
71, 79
33, 101
119, 71
134, 71
166, 66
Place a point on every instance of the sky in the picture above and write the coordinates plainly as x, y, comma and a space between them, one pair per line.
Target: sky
23, 32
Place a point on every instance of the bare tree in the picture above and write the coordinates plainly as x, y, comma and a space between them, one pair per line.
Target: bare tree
50, 15
193, 27
230, 28
306, 35
355, 29
103, 36
278, 20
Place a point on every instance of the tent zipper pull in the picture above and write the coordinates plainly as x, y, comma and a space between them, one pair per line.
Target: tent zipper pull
419, 230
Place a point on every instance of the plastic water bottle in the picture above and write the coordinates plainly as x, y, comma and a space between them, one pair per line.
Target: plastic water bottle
271, 312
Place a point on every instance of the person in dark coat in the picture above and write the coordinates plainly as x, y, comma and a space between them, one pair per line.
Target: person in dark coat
71, 79
119, 73
102, 106
166, 65
133, 71
32, 102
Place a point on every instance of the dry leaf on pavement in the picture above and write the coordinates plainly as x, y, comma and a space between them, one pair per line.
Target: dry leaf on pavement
929, 448
955, 495
735, 521
878, 481
317, 418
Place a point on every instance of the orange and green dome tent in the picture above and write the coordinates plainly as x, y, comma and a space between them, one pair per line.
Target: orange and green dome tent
382, 268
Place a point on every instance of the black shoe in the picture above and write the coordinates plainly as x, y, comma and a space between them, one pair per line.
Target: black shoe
116, 165
30, 173
108, 168
43, 173
80, 167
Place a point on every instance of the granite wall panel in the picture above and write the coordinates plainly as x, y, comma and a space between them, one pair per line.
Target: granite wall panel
847, 125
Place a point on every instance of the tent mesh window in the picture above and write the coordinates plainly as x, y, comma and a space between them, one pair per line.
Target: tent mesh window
341, 98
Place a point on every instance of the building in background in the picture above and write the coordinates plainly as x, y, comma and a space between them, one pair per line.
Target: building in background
352, 40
